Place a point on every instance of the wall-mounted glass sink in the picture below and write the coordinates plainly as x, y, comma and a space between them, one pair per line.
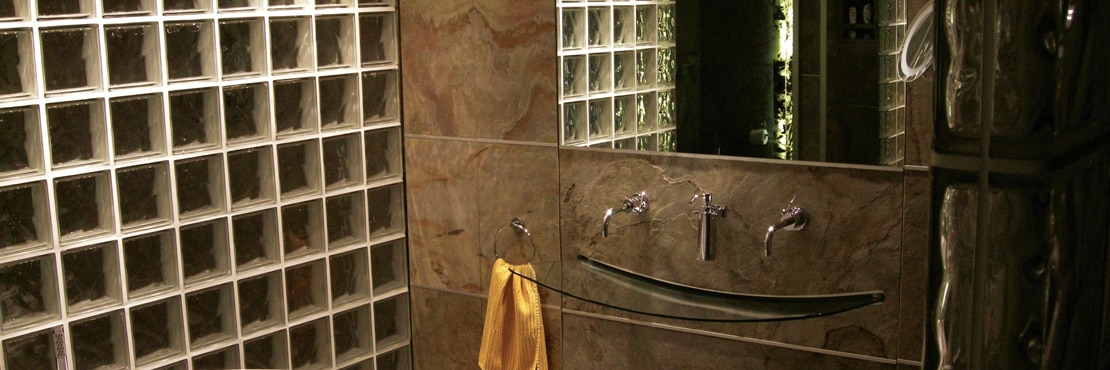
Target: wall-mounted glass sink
607, 285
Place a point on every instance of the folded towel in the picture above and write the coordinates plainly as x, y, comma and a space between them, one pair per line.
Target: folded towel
513, 334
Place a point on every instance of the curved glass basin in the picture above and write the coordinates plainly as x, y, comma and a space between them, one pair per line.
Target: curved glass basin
607, 285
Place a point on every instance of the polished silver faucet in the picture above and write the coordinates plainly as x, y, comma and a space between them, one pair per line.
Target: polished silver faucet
793, 219
634, 205
707, 215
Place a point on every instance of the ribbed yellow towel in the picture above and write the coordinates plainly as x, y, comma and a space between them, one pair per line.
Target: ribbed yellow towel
513, 337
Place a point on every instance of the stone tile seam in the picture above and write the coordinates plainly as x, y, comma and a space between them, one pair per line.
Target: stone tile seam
481, 141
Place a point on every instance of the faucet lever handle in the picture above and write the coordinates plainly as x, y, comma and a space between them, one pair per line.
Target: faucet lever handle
790, 206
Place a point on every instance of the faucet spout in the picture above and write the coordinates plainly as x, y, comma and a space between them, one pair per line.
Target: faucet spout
634, 205
605, 223
793, 219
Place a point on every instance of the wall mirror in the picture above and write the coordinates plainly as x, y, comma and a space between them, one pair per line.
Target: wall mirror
817, 80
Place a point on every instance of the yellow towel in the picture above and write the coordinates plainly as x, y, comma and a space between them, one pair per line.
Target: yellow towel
513, 337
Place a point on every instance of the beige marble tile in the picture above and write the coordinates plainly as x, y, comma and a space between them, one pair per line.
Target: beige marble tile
480, 69
920, 113
915, 244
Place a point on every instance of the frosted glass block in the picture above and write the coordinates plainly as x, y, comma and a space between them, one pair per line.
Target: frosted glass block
242, 47
92, 278
53, 9
335, 42
236, 5
226, 358
398, 359
380, 97
144, 195
666, 141
156, 331
260, 303
573, 28
377, 38
20, 142
624, 26
84, 206
339, 102
246, 113
624, 117
348, 274
666, 63
891, 38
288, 4
388, 267
601, 72
78, 134
892, 95
372, 3
133, 55
646, 68
310, 345
647, 142
383, 154
624, 67
295, 107
367, 364
386, 209
128, 8
206, 247
574, 123
342, 162
36, 350
13, 10
190, 51
646, 114
892, 122
346, 220
194, 119
666, 108
200, 186
267, 352
30, 293
138, 126
391, 321
70, 59
179, 365
290, 44
302, 229
323, 4
150, 262
574, 76
100, 342
211, 316
24, 218
299, 168
645, 24
352, 335
186, 6
303, 293
628, 143
600, 119
251, 176
17, 65
597, 27
666, 23
254, 237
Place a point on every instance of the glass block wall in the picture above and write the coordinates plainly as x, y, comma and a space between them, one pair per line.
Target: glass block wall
617, 74
201, 183
892, 87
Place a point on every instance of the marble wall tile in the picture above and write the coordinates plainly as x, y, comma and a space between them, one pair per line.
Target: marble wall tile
480, 69
851, 244
915, 244
919, 105
591, 343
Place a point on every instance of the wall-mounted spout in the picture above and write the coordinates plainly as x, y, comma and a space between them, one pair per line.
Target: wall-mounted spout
793, 219
707, 250
634, 205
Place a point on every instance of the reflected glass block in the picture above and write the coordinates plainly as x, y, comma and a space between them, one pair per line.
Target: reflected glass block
600, 78
624, 65
624, 24
20, 146
132, 55
156, 330
295, 106
254, 239
194, 120
303, 295
190, 51
63, 8
302, 228
573, 28
601, 127
624, 118
290, 46
150, 262
100, 342
77, 132
227, 358
597, 26
251, 176
346, 220
23, 217
260, 302
267, 352
299, 168
574, 122
348, 272
91, 277
666, 108
377, 38
666, 141
35, 350
128, 7
645, 112
892, 122
334, 42
84, 205
246, 113
645, 24
666, 63
69, 59
30, 293
352, 335
310, 345
206, 246
666, 25
200, 186
338, 102
210, 316
574, 75
241, 47
391, 321
645, 68
342, 162
380, 102
185, 6
144, 197
385, 208
17, 74
398, 359
138, 127
235, 5
388, 266
383, 154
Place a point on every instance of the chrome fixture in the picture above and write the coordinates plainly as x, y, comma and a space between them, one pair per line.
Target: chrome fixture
707, 250
793, 219
635, 204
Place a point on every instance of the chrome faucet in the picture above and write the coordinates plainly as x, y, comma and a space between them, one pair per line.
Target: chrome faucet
793, 219
707, 250
634, 205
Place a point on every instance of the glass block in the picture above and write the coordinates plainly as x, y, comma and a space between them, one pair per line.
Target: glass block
100, 342
891, 38
310, 345
156, 331
624, 64
251, 176
302, 228
303, 293
53, 9
144, 197
150, 262
597, 27
646, 114
246, 113
627, 143
13, 10
348, 273
20, 143
242, 47
892, 95
138, 127
24, 218
338, 102
389, 267
206, 247
17, 65
380, 97
666, 141
385, 207
295, 107
352, 335
646, 142
645, 24
574, 75
226, 358
666, 63
91, 278
190, 51
128, 8
77, 133
267, 352
299, 168
200, 186
666, 26
290, 44
342, 162
892, 122
194, 119
383, 154
574, 123
210, 316
391, 321
889, 66
236, 5
601, 77
254, 239
335, 41
573, 28
36, 350
624, 118
179, 365
600, 119
84, 206
666, 108
186, 6
370, 3
260, 303
133, 53
346, 220
646, 68
70, 59
367, 364
624, 26
30, 290
377, 42
288, 4
332, 3
398, 359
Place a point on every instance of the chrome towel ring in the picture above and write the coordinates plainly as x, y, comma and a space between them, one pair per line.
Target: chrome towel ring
518, 226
